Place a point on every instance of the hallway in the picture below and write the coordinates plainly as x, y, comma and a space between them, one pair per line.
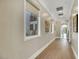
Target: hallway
29, 28
59, 49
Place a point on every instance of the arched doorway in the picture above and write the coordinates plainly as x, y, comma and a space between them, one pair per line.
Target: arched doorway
64, 31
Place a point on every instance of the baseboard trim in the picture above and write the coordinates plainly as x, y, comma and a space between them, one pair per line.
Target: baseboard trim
74, 52
41, 50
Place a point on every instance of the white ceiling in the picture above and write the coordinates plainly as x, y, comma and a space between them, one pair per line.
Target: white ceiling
51, 6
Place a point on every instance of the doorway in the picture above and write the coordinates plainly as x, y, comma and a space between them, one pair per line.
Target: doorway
64, 31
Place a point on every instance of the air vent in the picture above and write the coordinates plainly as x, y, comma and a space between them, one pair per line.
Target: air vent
60, 11
60, 14
59, 8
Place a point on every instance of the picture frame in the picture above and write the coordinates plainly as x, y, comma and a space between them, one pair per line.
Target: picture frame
31, 21
47, 26
75, 23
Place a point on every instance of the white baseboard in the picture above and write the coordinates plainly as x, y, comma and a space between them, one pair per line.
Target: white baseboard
74, 52
41, 50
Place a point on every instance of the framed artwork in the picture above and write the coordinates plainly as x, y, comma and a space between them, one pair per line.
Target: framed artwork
31, 20
75, 23
47, 25
31, 23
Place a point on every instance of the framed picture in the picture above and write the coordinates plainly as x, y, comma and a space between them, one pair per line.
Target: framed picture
47, 26
31, 22
75, 23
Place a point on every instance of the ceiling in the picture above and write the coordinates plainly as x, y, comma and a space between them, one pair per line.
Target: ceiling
51, 5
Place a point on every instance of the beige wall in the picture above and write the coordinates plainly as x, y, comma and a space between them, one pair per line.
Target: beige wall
12, 45
73, 37
75, 42
57, 28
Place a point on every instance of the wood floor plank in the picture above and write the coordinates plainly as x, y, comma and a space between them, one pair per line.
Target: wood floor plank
59, 49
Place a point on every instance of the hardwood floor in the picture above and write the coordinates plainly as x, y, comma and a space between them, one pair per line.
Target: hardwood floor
59, 49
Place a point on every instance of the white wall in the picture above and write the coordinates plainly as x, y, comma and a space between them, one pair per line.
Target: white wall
12, 45
75, 42
73, 37
57, 28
